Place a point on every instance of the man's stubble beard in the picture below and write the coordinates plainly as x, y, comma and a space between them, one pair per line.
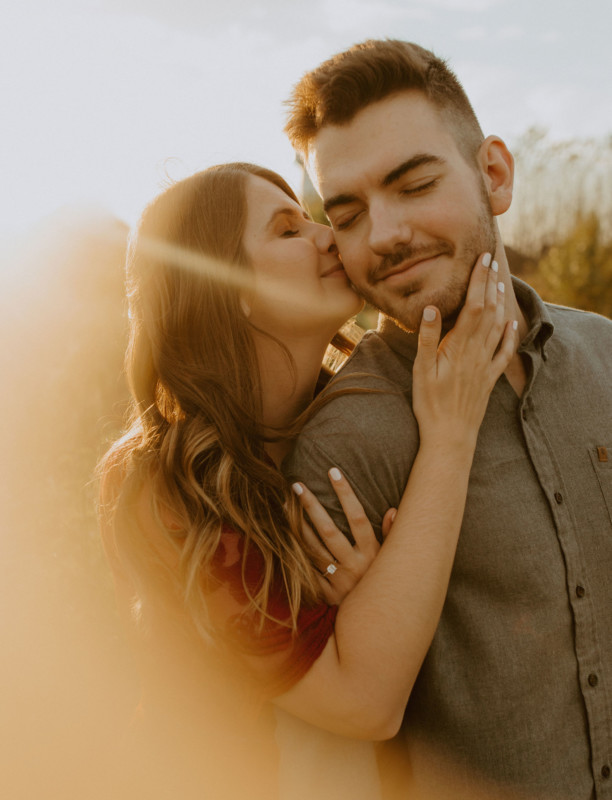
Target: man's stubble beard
449, 298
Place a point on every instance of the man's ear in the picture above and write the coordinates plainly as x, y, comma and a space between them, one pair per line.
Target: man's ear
497, 166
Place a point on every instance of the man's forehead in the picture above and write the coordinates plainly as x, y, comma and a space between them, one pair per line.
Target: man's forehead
375, 141
339, 162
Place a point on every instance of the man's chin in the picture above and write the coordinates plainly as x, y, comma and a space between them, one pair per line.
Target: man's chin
408, 315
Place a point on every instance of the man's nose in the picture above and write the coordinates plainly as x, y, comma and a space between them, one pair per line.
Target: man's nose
388, 229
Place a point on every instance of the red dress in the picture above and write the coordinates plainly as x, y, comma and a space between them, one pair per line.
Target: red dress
275, 656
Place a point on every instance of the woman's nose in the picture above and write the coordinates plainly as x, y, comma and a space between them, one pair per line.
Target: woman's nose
325, 239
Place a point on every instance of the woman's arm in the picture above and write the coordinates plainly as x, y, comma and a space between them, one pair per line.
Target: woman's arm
360, 684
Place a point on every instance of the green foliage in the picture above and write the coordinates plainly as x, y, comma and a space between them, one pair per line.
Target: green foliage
576, 272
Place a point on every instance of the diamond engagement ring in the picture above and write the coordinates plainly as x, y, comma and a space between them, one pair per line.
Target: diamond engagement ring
331, 568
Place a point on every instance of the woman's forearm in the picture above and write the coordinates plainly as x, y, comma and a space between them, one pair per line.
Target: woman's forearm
362, 681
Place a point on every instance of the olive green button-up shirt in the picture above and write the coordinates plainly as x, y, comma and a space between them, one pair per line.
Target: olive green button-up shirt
515, 695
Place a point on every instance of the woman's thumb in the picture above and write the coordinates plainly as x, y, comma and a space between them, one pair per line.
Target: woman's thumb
429, 332
388, 520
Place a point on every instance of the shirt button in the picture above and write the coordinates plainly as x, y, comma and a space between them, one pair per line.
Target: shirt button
605, 771
580, 591
524, 413
593, 679
558, 497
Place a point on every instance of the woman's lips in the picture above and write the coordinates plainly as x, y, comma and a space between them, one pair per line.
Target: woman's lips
335, 270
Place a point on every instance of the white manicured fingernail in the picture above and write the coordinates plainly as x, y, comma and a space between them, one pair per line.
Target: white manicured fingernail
486, 259
495, 266
501, 287
297, 489
514, 325
429, 314
335, 474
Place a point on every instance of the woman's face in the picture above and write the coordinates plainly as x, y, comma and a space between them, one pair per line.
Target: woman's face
301, 288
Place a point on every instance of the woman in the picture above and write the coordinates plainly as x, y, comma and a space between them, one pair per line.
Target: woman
234, 297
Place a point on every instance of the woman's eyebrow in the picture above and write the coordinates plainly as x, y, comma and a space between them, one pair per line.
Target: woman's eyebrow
287, 211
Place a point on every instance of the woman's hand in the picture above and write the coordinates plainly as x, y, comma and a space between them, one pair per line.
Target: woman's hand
341, 564
452, 379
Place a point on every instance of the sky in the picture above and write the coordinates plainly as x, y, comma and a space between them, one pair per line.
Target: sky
104, 101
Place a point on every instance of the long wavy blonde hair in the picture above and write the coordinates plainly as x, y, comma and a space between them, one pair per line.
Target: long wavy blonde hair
195, 436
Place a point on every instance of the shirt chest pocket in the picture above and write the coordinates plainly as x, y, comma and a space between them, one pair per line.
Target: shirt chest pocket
601, 459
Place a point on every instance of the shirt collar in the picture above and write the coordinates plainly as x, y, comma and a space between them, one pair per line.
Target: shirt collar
539, 325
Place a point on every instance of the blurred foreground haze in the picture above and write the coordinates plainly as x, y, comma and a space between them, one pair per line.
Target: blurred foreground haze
103, 100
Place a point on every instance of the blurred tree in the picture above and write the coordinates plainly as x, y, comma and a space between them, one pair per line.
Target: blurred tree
576, 272
556, 183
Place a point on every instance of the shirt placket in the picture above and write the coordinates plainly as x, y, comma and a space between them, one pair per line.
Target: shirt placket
589, 662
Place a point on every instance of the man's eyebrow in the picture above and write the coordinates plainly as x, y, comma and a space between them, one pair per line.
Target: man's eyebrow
338, 200
411, 164
395, 174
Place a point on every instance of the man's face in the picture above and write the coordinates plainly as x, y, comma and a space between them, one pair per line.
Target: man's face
409, 214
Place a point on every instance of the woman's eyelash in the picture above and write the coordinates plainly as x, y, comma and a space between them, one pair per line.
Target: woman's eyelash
290, 233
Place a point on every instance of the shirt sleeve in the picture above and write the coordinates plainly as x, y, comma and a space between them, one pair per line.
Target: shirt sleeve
275, 655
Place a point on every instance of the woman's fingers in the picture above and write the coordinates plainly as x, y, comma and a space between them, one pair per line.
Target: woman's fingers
480, 325
451, 386
429, 338
481, 295
494, 291
340, 563
506, 350
498, 309
360, 526
335, 546
321, 554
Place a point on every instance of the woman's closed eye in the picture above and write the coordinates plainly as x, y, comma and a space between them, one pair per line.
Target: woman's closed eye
289, 232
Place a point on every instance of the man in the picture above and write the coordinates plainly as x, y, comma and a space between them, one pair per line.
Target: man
515, 696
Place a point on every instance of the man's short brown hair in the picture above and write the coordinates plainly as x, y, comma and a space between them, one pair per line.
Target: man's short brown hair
334, 92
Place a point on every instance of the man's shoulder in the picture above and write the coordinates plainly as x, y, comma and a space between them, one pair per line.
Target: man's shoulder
374, 383
582, 331
365, 413
569, 326
375, 362
365, 427
579, 319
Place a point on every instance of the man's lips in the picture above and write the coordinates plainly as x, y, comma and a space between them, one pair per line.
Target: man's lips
405, 266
